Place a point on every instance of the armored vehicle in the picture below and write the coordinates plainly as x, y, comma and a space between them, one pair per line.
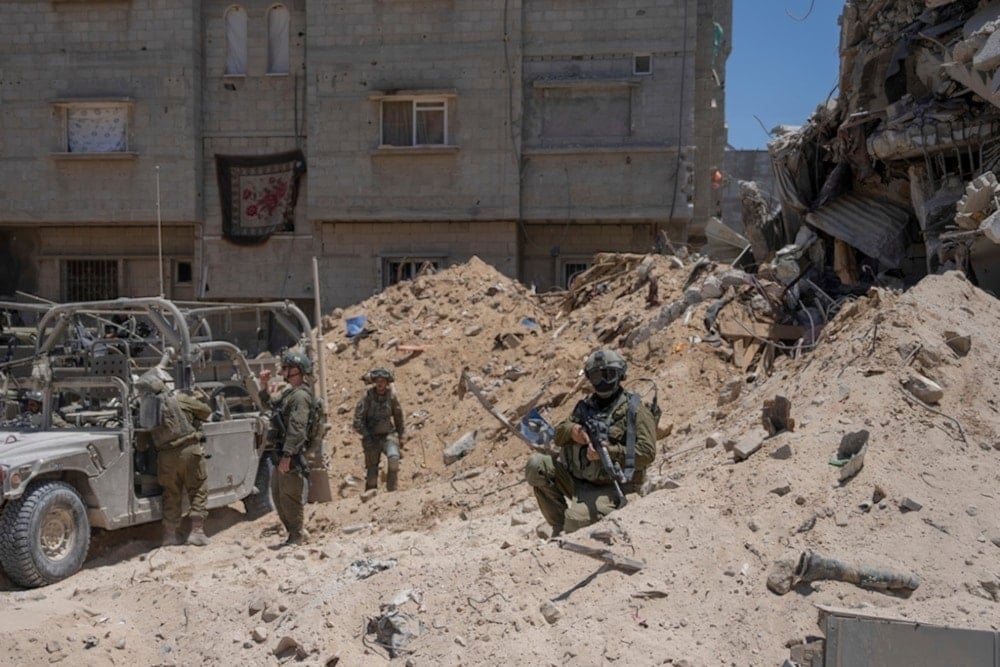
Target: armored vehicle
73, 452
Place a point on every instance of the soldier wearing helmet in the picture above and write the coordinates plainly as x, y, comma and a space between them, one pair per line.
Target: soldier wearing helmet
378, 417
172, 419
291, 409
34, 402
576, 474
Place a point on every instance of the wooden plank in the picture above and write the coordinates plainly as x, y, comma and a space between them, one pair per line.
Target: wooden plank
767, 330
614, 560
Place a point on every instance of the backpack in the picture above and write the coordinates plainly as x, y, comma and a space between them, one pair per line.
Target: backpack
316, 427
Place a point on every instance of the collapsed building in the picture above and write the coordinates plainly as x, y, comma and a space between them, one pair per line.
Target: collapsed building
894, 179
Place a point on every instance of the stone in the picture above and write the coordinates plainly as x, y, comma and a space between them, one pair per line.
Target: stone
731, 391
909, 505
259, 634
923, 388
550, 612
782, 453
744, 448
959, 343
782, 489
781, 576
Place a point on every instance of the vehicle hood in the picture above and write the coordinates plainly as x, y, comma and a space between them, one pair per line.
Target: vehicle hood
23, 447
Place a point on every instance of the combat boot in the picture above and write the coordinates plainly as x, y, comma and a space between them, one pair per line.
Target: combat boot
197, 536
371, 478
170, 536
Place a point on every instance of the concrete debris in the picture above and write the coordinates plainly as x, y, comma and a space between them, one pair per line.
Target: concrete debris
923, 388
394, 629
460, 448
362, 569
909, 505
776, 415
959, 343
907, 151
850, 455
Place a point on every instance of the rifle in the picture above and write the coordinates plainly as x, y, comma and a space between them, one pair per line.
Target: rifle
275, 437
597, 431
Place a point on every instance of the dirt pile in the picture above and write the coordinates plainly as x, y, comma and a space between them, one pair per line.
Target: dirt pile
452, 570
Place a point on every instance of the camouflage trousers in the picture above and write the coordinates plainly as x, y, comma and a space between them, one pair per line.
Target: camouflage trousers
289, 491
181, 472
554, 485
375, 447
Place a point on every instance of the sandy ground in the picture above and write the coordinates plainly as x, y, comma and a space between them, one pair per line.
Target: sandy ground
457, 561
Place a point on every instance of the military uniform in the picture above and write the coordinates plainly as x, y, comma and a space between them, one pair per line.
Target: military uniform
571, 475
180, 464
291, 489
379, 420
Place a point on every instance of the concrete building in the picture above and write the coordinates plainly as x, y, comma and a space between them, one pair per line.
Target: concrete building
209, 149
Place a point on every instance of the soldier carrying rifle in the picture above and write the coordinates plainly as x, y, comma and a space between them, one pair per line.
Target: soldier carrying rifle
622, 426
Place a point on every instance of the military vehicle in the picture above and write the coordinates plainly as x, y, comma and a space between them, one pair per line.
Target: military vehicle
83, 460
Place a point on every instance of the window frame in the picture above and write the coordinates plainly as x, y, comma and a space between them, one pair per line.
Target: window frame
447, 96
64, 109
240, 50
285, 41
416, 263
415, 102
635, 64
65, 282
568, 262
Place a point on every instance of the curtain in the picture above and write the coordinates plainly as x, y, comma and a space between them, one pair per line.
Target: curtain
96, 130
277, 40
236, 41
397, 123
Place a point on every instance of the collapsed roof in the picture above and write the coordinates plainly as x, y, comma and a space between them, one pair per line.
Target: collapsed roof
896, 174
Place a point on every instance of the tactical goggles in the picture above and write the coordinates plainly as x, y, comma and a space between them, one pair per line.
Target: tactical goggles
606, 374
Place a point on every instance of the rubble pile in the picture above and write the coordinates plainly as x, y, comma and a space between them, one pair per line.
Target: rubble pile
894, 178
853, 472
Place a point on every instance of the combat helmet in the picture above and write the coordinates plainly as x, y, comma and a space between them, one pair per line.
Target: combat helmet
381, 372
298, 360
605, 369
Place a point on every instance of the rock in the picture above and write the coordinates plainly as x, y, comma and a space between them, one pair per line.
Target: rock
909, 505
259, 634
460, 447
783, 489
257, 606
781, 577
550, 611
959, 343
782, 453
923, 388
744, 448
730, 392
776, 415
269, 614
714, 440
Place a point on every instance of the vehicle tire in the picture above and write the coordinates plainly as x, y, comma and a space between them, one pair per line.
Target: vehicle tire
44, 534
260, 503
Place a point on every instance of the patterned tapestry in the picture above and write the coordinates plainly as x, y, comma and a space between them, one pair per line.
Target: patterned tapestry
258, 194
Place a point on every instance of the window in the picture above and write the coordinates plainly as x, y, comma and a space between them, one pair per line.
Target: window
277, 40
398, 269
414, 122
571, 269
90, 279
642, 64
183, 275
236, 41
95, 126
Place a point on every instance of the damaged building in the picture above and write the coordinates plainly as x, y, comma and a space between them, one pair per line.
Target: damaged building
894, 179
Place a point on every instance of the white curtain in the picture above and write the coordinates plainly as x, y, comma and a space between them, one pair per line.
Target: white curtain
97, 129
277, 40
397, 123
236, 40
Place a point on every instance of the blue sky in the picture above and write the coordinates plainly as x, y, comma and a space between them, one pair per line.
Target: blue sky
784, 62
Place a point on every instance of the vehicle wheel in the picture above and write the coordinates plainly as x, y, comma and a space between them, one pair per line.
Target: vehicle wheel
44, 535
260, 502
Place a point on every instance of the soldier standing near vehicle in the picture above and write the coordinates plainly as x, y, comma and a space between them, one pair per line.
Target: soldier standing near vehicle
378, 417
180, 458
290, 428
34, 412
578, 474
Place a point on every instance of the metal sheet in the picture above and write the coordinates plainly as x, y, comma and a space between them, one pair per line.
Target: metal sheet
874, 642
875, 227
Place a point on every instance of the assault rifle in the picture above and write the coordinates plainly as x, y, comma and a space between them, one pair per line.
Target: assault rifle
276, 437
597, 431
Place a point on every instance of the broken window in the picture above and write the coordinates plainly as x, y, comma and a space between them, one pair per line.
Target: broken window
642, 64
571, 269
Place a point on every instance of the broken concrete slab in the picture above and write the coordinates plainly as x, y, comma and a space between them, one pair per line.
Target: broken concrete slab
923, 388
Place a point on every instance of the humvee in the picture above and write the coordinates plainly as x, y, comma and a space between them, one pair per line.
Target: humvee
84, 461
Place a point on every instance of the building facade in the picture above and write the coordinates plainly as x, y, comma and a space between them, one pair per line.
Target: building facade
529, 133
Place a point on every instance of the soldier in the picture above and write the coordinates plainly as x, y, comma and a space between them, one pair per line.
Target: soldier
290, 417
378, 417
180, 459
34, 412
577, 473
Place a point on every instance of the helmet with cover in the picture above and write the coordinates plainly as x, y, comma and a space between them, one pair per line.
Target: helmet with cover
605, 369
385, 373
297, 360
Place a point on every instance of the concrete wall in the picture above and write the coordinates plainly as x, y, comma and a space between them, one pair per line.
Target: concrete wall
556, 148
